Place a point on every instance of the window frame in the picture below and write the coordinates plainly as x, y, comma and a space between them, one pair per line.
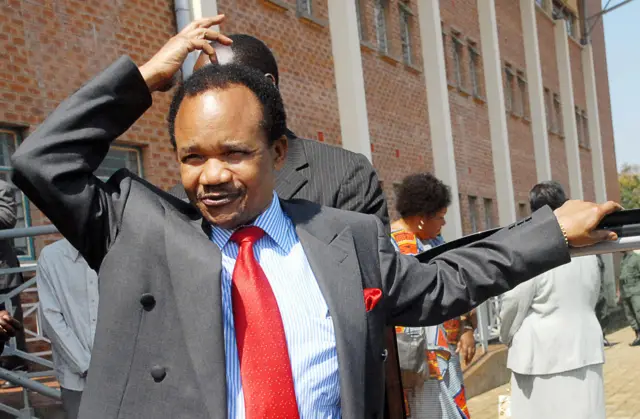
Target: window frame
523, 91
405, 16
557, 111
473, 213
302, 10
457, 49
127, 148
474, 66
381, 26
585, 129
488, 213
509, 88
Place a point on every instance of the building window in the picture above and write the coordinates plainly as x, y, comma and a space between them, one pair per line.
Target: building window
579, 126
560, 12
488, 213
547, 108
585, 130
405, 33
457, 58
523, 103
304, 7
120, 157
380, 16
473, 213
474, 66
360, 20
509, 88
557, 113
447, 66
9, 141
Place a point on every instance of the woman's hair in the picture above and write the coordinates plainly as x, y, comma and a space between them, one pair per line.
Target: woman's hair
421, 194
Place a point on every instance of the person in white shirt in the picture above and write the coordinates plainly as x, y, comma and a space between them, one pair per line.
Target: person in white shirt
68, 293
555, 342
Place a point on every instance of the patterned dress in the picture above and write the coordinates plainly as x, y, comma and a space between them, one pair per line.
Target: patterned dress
442, 396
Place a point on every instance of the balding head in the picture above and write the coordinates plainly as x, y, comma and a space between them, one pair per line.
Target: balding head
246, 50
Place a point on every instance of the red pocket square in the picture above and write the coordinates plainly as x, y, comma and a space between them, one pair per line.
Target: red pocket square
371, 297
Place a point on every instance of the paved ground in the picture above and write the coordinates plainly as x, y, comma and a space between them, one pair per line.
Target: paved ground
621, 378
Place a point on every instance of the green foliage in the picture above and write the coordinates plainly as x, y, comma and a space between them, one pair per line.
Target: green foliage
629, 179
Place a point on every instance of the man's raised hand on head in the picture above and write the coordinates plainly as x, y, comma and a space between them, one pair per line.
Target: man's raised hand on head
160, 70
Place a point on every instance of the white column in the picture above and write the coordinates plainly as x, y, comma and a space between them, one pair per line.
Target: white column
347, 62
204, 8
439, 113
597, 160
497, 114
536, 90
568, 110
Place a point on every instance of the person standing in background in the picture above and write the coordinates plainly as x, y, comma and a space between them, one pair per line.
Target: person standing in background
555, 342
68, 294
8, 282
422, 202
630, 292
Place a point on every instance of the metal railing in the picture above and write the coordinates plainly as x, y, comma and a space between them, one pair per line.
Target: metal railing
26, 380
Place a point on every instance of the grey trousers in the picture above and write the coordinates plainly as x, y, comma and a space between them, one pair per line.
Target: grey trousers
71, 402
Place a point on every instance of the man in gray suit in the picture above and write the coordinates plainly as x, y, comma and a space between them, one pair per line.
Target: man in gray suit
175, 335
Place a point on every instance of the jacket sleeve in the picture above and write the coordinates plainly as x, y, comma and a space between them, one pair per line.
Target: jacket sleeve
458, 280
55, 326
8, 206
54, 166
360, 190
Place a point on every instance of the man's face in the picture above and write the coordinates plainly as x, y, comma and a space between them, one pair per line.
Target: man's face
226, 164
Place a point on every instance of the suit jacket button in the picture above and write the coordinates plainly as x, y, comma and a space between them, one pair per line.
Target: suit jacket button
384, 355
148, 301
158, 373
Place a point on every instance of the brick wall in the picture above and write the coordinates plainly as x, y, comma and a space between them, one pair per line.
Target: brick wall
50, 48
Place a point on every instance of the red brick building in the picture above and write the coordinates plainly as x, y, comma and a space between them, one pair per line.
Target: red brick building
49, 48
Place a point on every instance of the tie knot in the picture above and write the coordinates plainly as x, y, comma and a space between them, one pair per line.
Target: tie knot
250, 234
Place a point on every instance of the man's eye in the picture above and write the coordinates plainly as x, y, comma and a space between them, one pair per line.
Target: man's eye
191, 158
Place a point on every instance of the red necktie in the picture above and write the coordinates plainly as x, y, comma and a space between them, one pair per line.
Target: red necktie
265, 367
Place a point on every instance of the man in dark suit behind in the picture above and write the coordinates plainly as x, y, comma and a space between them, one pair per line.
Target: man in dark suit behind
187, 286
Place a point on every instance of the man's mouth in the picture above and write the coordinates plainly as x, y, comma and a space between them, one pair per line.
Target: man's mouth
218, 200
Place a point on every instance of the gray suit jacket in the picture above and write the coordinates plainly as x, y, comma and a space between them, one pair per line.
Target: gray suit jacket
326, 175
158, 350
8, 218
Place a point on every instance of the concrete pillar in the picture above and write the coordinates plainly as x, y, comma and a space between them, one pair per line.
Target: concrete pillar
497, 115
568, 110
536, 90
597, 161
439, 113
347, 59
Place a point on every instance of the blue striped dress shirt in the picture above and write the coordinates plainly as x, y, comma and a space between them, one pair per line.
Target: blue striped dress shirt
307, 323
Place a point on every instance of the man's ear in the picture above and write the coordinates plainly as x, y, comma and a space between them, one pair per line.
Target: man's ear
272, 78
279, 148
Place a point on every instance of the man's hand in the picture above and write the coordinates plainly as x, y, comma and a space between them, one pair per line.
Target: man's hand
579, 219
466, 346
8, 327
158, 72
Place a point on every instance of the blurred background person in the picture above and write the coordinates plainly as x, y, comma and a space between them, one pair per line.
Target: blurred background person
8, 282
630, 292
68, 294
555, 342
422, 201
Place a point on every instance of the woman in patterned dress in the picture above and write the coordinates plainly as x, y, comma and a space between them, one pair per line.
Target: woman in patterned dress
422, 202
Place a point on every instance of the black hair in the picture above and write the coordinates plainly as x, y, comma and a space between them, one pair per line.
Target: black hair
547, 193
219, 77
421, 194
252, 52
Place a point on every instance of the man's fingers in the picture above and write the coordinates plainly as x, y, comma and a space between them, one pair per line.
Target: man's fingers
205, 22
610, 207
7, 328
603, 235
15, 324
209, 50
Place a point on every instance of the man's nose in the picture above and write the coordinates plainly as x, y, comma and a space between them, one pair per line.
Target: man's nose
215, 172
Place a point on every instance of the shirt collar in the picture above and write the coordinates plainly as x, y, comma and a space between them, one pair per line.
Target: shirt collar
273, 221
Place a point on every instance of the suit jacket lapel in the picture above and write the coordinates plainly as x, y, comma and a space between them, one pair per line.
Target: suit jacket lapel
289, 180
195, 264
333, 261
